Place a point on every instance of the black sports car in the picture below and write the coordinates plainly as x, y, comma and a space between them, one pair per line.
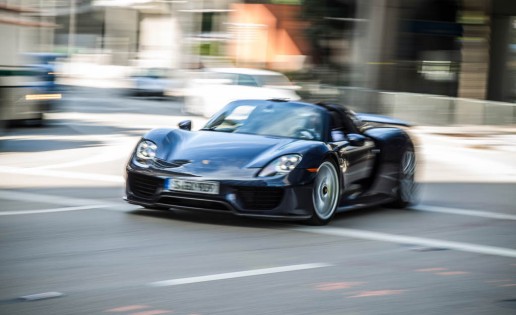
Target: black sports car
275, 159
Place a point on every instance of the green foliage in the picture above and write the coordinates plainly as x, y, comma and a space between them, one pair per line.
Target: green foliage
210, 49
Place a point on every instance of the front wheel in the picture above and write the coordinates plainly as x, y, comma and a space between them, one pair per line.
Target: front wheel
325, 194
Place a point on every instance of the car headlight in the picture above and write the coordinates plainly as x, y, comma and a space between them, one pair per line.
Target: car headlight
145, 151
282, 165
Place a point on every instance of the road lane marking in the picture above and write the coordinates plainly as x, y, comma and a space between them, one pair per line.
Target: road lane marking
62, 174
64, 209
41, 296
60, 200
42, 198
377, 293
402, 239
152, 312
128, 308
431, 269
238, 274
452, 273
473, 213
332, 286
108, 155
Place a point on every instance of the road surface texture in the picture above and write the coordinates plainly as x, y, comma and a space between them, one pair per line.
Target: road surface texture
70, 245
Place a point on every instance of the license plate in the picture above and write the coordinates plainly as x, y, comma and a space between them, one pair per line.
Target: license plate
196, 186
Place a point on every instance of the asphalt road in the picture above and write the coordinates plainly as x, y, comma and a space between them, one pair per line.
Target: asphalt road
70, 245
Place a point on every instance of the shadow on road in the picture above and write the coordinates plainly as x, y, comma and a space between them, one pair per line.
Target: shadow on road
220, 219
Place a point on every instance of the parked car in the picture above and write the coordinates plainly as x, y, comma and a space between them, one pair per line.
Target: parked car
275, 159
29, 91
208, 91
153, 82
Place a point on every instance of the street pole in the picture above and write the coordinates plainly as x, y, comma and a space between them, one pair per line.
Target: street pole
71, 29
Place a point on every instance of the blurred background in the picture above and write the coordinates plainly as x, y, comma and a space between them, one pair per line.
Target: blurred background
432, 62
82, 80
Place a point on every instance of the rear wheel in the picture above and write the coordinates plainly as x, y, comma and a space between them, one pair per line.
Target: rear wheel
406, 193
325, 194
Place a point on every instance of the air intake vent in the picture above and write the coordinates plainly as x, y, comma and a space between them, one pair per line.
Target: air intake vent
194, 203
143, 185
278, 100
259, 198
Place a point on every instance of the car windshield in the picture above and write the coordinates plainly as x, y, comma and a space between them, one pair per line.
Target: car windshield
291, 120
151, 73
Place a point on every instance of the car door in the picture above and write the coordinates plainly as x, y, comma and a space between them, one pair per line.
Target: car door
359, 159
355, 150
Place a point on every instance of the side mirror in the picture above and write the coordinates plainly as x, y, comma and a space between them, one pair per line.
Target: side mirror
356, 140
185, 125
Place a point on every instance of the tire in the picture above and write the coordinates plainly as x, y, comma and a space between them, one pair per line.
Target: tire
407, 188
325, 194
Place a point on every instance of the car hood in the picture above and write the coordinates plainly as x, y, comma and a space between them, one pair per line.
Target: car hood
219, 154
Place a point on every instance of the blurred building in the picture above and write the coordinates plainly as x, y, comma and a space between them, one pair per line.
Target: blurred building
268, 35
462, 48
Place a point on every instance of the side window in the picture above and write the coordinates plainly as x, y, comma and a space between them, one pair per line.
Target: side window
337, 135
247, 80
336, 130
341, 125
225, 78
359, 124
348, 124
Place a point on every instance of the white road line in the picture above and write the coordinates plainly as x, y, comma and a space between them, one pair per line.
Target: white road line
41, 296
52, 199
401, 239
64, 209
62, 174
238, 274
473, 213
60, 200
111, 154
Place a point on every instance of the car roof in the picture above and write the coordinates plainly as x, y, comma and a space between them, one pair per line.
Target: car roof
244, 71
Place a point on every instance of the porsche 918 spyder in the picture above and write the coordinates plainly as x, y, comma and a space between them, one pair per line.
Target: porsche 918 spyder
275, 159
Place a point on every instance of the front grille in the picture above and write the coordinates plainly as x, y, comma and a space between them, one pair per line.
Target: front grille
194, 203
259, 198
143, 185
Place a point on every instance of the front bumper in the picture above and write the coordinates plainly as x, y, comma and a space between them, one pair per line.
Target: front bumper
257, 197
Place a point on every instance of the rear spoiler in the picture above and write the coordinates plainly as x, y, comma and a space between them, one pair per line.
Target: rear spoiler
379, 119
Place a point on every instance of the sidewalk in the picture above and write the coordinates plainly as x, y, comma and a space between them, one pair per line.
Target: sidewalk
480, 137
468, 154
